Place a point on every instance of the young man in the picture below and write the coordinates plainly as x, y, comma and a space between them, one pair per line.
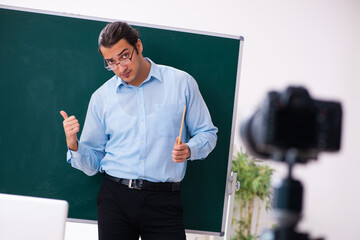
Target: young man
131, 134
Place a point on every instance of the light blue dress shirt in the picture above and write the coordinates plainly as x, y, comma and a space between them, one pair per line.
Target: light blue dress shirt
130, 131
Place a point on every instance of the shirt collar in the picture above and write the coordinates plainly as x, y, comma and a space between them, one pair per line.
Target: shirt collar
153, 74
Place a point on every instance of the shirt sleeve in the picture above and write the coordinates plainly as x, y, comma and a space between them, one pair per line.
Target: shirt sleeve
198, 120
92, 142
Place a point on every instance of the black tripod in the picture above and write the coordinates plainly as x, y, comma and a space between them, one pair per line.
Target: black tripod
288, 197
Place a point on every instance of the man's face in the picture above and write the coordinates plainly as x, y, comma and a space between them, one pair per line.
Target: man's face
127, 60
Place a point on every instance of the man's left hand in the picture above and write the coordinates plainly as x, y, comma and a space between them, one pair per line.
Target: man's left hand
180, 152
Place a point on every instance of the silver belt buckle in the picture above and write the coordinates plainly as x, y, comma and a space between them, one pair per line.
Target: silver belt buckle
133, 184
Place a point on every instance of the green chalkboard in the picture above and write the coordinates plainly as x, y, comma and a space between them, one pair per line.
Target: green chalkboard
49, 63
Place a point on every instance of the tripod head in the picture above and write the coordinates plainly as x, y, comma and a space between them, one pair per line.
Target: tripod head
291, 127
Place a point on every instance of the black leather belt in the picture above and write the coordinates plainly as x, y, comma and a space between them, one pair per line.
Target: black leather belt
140, 184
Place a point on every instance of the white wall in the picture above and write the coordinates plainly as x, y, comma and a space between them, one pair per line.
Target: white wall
314, 43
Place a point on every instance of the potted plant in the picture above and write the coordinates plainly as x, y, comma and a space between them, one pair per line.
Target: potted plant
255, 186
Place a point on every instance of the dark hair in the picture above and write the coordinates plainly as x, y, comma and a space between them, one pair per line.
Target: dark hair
114, 32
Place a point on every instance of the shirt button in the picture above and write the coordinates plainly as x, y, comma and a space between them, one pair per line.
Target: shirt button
141, 106
142, 124
141, 161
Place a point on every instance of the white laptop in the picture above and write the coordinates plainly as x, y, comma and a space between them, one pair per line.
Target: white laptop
32, 218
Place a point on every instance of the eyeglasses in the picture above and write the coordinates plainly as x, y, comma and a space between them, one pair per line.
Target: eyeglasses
123, 60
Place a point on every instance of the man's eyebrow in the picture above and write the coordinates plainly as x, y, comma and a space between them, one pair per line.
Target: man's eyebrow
107, 59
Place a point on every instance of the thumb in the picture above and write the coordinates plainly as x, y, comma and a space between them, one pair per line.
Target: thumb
178, 141
64, 114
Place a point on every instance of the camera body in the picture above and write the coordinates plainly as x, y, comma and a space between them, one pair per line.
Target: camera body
293, 120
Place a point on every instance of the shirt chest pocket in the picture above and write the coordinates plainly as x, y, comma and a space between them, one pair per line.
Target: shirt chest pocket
168, 119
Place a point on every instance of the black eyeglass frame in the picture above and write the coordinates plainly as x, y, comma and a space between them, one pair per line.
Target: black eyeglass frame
107, 67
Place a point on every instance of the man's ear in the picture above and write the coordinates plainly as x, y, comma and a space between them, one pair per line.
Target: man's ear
139, 46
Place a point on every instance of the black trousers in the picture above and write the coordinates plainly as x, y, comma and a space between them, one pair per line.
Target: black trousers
126, 214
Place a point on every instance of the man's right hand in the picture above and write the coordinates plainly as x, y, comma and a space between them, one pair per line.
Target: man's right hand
71, 128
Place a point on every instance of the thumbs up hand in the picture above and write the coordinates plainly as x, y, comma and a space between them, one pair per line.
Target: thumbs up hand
71, 128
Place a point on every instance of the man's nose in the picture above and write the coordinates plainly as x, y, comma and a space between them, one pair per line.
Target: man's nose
121, 67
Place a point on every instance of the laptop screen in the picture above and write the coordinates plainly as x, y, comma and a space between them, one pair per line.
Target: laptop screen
24, 217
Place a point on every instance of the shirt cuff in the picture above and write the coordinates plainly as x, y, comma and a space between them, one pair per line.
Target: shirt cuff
193, 151
74, 154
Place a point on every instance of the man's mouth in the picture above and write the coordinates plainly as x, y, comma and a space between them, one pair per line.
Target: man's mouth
125, 75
